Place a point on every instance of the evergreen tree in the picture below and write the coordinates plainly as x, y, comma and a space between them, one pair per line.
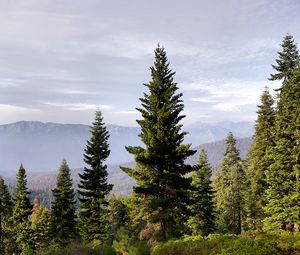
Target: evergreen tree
93, 185
162, 185
40, 219
21, 211
258, 162
118, 214
229, 186
202, 208
5, 213
288, 59
63, 219
283, 176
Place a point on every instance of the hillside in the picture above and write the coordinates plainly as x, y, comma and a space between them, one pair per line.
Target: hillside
122, 182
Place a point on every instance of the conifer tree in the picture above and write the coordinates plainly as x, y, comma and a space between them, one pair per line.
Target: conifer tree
202, 209
162, 185
287, 61
21, 212
283, 175
40, 224
229, 187
93, 185
5, 213
63, 218
259, 161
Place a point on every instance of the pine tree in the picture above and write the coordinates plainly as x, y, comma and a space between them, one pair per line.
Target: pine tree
93, 185
288, 59
63, 218
118, 214
40, 219
258, 162
160, 173
283, 176
229, 187
5, 213
21, 211
202, 208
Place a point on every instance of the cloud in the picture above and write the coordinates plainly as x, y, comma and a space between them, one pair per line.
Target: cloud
79, 106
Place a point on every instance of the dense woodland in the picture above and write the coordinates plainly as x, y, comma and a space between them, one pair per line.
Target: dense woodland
174, 208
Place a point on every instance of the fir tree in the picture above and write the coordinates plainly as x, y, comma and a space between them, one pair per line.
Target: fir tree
5, 213
258, 162
40, 224
21, 211
63, 218
202, 220
118, 215
162, 185
229, 186
93, 185
287, 61
283, 176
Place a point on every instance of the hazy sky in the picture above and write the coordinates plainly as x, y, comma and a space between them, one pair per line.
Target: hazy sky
60, 59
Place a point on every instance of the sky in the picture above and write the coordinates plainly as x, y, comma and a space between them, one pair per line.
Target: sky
60, 60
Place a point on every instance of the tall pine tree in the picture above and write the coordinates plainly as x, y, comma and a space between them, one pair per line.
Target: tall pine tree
63, 219
202, 209
229, 186
93, 185
258, 162
162, 185
287, 61
21, 211
5, 214
283, 176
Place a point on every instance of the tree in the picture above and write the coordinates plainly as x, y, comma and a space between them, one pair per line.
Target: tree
21, 211
229, 187
93, 185
160, 172
258, 162
63, 218
118, 214
40, 219
283, 175
202, 208
287, 61
5, 213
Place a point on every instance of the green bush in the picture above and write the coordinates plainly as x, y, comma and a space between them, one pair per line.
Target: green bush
216, 244
78, 249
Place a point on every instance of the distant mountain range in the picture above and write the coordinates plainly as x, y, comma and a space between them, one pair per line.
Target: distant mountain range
42, 146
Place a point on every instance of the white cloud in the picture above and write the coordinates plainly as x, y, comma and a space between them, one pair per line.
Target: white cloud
79, 106
126, 112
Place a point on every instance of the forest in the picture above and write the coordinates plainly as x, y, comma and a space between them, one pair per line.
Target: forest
251, 206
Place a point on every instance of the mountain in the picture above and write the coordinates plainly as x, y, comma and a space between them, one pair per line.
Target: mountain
122, 182
42, 146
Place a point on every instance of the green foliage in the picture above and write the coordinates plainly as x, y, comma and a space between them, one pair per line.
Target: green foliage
160, 170
216, 244
287, 61
229, 187
258, 162
5, 214
63, 219
93, 185
283, 175
202, 208
21, 212
125, 243
118, 214
80, 249
40, 224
